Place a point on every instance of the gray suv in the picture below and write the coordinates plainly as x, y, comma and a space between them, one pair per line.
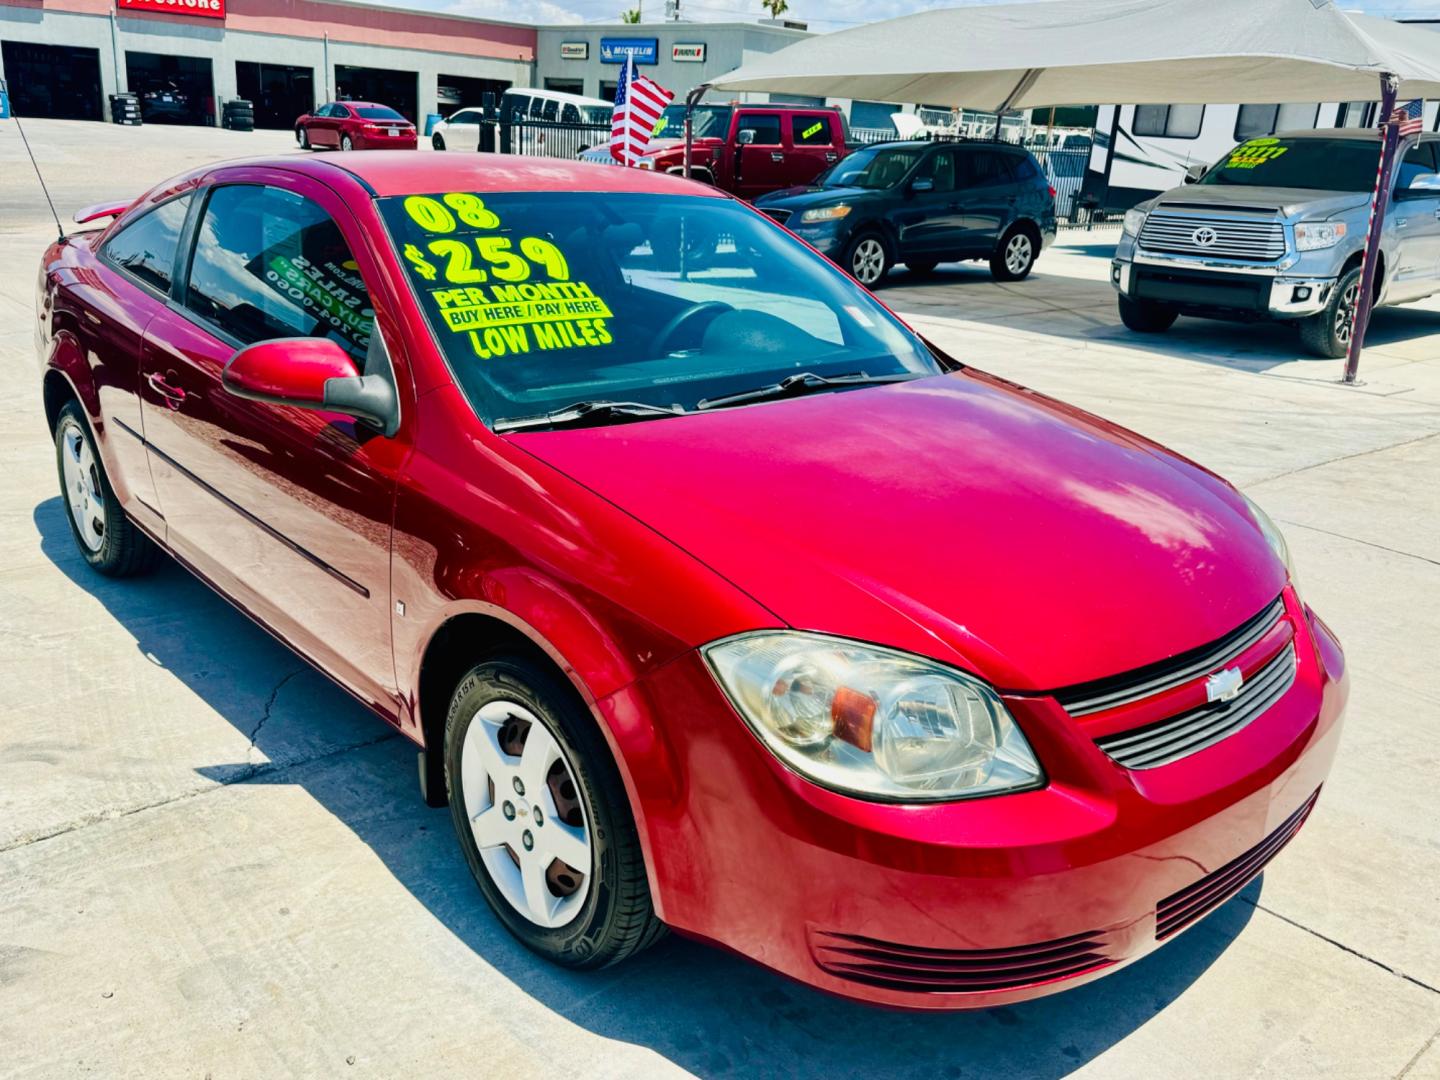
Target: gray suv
1275, 230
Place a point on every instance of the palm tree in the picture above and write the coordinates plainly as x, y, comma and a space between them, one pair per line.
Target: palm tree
633, 15
775, 7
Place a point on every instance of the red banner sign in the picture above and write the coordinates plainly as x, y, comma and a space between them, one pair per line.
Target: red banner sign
210, 9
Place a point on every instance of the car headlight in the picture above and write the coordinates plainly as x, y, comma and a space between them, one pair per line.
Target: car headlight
873, 722
1318, 235
825, 213
1274, 537
1134, 221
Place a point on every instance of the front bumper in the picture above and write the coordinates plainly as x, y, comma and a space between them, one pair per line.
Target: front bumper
1213, 288
1009, 897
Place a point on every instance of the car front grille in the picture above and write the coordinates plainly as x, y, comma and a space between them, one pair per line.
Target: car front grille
1180, 736
951, 971
1213, 236
780, 217
1194, 902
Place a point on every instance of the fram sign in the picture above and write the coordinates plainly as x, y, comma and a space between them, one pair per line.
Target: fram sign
691, 53
210, 9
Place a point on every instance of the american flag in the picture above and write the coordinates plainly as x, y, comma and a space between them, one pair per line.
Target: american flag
1408, 118
638, 104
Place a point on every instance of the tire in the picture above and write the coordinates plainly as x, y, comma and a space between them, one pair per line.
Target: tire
1014, 257
303, 138
346, 143
1146, 316
592, 918
107, 539
437, 142
1328, 332
921, 266
868, 258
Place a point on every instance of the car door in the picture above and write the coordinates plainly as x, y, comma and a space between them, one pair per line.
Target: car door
1414, 222
287, 511
462, 131
929, 221
987, 196
329, 126
812, 147
760, 164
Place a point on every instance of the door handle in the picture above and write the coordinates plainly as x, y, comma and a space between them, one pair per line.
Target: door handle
833, 157
775, 155
1401, 223
173, 395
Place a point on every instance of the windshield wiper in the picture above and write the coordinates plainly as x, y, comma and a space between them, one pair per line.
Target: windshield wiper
580, 413
804, 383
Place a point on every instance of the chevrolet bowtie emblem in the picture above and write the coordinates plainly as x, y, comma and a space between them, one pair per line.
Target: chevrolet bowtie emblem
1224, 685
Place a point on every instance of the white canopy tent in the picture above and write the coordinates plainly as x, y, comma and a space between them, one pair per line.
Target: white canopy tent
1083, 52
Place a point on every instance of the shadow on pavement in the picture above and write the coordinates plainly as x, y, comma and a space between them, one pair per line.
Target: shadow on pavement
704, 1009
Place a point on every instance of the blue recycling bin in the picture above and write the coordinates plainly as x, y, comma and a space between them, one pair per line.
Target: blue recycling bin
431, 119
4, 105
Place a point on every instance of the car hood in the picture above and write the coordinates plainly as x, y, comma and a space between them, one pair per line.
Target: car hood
955, 516
1288, 201
806, 195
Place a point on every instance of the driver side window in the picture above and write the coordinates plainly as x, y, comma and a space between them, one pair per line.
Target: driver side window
765, 127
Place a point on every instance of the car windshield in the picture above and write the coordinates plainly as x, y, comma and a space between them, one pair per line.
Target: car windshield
541, 300
711, 121
1314, 164
378, 112
877, 168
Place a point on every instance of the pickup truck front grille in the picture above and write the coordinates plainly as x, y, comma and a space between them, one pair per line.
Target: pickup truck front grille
1213, 236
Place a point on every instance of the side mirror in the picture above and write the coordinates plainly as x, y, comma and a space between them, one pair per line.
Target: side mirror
312, 373
1422, 185
746, 137
1195, 173
922, 183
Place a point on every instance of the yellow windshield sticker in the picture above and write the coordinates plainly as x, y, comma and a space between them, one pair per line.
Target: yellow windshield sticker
812, 130
1253, 154
660, 125
509, 296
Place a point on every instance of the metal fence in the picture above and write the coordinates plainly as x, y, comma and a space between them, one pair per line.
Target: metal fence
541, 138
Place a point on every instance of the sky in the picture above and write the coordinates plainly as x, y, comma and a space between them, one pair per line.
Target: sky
820, 14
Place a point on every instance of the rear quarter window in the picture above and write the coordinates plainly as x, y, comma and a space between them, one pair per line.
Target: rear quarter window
145, 248
810, 130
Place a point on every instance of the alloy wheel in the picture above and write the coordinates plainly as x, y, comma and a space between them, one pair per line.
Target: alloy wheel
347, 144
82, 486
1018, 253
525, 813
1345, 314
868, 261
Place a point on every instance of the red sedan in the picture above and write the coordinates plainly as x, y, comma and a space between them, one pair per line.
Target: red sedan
355, 125
714, 596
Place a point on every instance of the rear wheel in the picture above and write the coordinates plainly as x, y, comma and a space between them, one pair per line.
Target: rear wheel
1014, 257
346, 143
543, 818
1328, 332
868, 259
1146, 316
437, 142
107, 539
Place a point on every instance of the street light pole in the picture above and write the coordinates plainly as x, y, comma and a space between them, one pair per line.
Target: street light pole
1379, 200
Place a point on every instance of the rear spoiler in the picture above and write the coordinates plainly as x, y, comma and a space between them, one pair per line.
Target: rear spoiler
100, 210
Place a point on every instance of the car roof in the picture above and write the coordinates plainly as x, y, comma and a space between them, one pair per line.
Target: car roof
406, 172
1363, 133
555, 95
362, 104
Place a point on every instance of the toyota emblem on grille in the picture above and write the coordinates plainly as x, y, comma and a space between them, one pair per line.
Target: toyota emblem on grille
1224, 685
1204, 236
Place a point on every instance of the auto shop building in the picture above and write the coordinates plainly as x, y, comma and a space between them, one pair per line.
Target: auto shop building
184, 58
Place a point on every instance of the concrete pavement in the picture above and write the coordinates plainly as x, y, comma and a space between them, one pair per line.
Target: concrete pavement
213, 863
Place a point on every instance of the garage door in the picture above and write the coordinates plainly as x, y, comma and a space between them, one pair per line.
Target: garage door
172, 89
398, 89
280, 93
60, 81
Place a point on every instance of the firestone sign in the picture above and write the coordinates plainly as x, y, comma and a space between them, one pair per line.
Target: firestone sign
210, 9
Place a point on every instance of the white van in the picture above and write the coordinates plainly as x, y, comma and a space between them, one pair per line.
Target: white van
462, 130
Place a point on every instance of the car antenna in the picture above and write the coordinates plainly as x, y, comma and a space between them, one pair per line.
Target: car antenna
36, 165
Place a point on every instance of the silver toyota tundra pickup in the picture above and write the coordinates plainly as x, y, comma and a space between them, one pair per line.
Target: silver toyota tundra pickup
1275, 230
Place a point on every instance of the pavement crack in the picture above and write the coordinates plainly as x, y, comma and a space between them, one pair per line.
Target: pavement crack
1342, 946
1418, 1055
270, 706
1358, 540
250, 773
1343, 457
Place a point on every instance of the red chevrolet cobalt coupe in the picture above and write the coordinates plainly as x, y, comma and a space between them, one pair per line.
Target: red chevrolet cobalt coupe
715, 597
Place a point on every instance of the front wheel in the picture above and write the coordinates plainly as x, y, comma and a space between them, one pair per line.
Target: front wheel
346, 143
868, 259
303, 138
1014, 256
437, 142
107, 539
1328, 332
1146, 316
543, 818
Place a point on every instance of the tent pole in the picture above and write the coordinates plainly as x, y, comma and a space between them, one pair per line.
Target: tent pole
1389, 90
1027, 80
690, 99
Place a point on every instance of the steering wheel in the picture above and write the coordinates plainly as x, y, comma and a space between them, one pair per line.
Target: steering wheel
671, 329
